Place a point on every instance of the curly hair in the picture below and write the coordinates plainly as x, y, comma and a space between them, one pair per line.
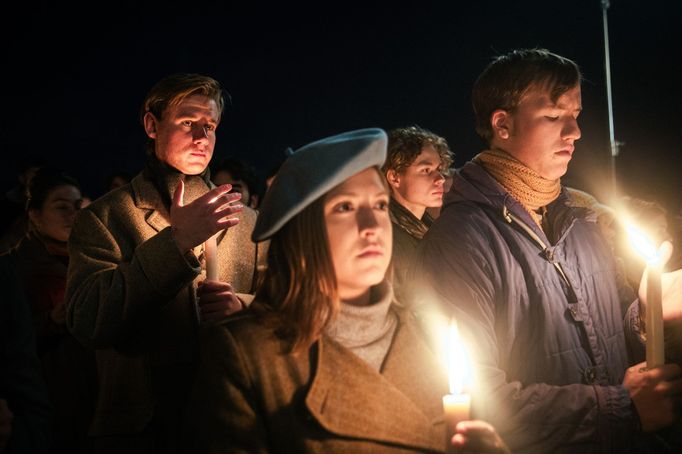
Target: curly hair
405, 144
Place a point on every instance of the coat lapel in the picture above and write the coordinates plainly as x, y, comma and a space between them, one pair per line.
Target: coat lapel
401, 405
147, 197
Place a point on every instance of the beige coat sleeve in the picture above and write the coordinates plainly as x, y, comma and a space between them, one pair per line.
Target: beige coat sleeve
108, 295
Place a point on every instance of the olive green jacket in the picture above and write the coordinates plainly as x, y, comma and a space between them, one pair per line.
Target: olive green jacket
131, 295
251, 396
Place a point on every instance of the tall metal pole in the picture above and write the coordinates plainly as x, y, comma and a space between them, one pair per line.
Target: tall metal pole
607, 65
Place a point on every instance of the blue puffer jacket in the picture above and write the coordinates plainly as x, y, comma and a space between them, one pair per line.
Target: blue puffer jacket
542, 315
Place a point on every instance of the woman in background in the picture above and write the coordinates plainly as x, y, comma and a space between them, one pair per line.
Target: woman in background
41, 260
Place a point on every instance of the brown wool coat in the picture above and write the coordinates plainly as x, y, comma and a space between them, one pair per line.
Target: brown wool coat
252, 397
131, 295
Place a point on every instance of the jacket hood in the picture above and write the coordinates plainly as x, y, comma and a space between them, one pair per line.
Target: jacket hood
473, 183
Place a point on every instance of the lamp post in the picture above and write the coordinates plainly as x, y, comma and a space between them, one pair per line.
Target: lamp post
605, 4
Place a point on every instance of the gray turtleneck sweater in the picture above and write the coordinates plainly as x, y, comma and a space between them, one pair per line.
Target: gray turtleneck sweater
367, 331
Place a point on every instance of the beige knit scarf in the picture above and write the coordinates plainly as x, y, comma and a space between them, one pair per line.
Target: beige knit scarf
522, 183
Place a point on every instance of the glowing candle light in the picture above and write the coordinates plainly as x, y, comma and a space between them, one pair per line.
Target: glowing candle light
655, 346
457, 404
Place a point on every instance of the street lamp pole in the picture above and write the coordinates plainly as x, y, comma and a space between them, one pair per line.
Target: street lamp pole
607, 65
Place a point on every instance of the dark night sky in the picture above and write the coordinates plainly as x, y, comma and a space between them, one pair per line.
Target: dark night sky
297, 74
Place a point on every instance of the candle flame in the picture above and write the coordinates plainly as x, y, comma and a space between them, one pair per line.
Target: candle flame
458, 363
642, 244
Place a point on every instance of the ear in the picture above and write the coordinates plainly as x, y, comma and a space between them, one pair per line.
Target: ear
33, 215
150, 125
253, 203
393, 178
501, 121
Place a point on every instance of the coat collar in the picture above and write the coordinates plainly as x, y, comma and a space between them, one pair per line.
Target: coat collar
349, 398
147, 197
473, 183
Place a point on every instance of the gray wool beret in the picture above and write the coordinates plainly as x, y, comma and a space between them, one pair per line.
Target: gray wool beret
313, 170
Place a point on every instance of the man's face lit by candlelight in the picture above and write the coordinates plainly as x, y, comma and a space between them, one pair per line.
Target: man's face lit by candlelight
359, 232
539, 132
420, 185
185, 137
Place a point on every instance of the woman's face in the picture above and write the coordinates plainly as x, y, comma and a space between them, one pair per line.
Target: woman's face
55, 218
359, 232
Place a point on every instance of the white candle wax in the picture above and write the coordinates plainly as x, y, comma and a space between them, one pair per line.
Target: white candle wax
210, 255
655, 346
456, 407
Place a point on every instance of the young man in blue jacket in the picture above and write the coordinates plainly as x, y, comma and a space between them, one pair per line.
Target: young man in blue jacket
533, 282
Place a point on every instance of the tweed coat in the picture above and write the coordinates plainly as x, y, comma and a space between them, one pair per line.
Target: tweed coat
132, 296
251, 396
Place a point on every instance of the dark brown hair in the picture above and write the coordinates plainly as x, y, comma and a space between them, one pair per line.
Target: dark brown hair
299, 284
405, 144
299, 288
509, 77
43, 183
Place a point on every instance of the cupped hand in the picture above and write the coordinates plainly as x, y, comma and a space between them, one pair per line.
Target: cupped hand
194, 223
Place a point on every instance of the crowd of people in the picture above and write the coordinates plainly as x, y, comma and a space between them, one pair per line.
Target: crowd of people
192, 308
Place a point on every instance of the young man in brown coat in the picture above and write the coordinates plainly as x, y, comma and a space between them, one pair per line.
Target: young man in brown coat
136, 287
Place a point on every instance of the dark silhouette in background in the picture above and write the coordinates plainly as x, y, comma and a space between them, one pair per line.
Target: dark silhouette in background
296, 73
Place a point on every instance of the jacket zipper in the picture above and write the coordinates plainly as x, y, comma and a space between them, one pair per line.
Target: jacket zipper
509, 217
595, 351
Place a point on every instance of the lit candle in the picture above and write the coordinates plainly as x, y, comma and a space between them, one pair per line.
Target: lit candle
655, 346
456, 404
210, 255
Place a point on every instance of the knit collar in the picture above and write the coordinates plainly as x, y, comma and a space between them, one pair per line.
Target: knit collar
403, 218
524, 184
357, 326
166, 179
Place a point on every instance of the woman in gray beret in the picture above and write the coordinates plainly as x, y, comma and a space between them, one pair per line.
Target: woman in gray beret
323, 361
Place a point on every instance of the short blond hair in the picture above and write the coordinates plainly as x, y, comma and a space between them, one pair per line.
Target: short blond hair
172, 90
